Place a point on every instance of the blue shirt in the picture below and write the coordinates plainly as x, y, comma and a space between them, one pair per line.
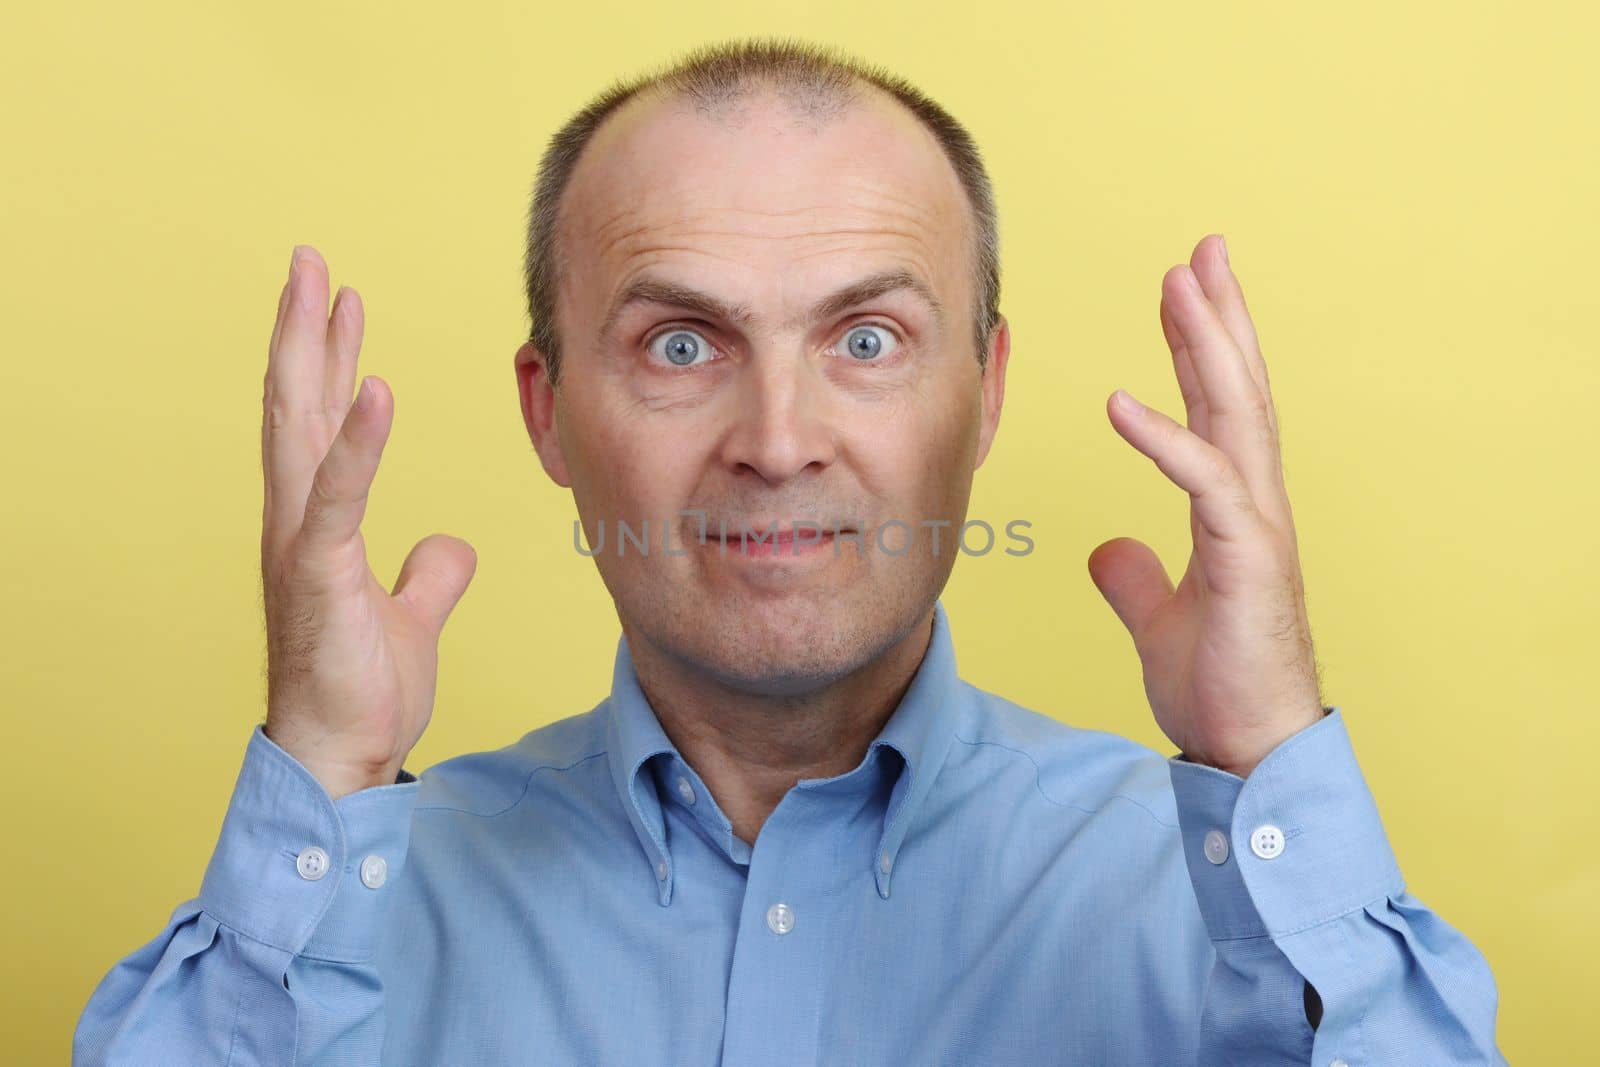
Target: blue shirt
988, 886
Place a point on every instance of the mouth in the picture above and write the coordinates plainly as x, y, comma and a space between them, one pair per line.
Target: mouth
780, 540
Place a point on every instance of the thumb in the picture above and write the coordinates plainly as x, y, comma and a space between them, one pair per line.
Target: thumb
1129, 575
434, 576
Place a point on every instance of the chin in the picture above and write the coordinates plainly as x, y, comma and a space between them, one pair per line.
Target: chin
783, 645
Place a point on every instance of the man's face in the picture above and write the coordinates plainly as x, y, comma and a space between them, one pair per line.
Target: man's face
852, 416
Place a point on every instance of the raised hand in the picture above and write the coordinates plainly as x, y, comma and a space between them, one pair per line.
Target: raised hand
351, 668
1229, 667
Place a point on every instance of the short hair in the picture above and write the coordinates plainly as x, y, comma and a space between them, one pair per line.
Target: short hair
816, 79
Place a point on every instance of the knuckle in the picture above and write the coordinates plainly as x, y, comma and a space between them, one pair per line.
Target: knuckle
308, 573
280, 413
1261, 414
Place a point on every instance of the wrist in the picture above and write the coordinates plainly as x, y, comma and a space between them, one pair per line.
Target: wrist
341, 783
1241, 760
339, 777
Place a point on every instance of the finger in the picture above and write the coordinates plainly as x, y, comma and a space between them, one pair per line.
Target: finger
1222, 288
1222, 502
345, 326
296, 427
1130, 576
434, 576
1235, 409
1210, 264
295, 363
337, 498
277, 324
266, 386
1194, 399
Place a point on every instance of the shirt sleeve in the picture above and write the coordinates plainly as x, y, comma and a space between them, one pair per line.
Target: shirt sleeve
272, 962
1322, 956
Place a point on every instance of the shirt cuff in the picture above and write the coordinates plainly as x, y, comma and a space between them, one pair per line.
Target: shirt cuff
1296, 844
295, 869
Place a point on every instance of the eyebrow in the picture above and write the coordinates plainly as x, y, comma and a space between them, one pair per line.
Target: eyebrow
649, 290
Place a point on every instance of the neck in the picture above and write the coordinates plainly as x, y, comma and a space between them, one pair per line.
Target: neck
750, 748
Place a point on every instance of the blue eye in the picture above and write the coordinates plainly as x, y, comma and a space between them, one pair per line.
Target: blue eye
865, 342
681, 348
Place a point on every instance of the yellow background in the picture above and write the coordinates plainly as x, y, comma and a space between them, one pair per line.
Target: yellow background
1408, 193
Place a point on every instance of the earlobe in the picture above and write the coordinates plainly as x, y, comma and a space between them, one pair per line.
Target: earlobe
993, 386
538, 400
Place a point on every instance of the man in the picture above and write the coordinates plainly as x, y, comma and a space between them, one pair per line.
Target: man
764, 293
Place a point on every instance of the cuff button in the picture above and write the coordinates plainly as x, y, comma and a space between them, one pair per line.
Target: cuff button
1267, 841
312, 863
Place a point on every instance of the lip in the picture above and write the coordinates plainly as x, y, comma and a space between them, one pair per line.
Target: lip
781, 545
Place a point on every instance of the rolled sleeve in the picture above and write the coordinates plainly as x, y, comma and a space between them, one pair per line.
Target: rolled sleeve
278, 813
1334, 856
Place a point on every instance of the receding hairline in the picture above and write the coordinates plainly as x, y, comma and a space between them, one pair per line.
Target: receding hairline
802, 106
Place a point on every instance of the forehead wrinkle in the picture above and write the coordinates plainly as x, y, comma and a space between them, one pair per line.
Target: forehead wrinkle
618, 227
677, 239
886, 209
649, 215
622, 229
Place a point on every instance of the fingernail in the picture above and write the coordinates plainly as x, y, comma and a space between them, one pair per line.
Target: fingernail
1126, 401
364, 394
1222, 244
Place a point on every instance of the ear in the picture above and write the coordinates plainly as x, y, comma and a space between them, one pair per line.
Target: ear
993, 386
538, 398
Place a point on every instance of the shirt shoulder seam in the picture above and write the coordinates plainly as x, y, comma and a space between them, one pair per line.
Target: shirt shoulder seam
1037, 784
527, 783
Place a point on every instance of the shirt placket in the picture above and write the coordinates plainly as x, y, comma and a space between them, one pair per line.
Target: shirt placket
785, 927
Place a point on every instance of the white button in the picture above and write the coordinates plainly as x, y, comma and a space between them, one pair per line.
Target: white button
374, 871
884, 863
1338, 1063
780, 917
661, 870
312, 863
685, 790
1217, 847
1267, 841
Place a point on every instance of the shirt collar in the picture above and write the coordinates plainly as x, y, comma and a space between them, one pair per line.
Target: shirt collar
921, 730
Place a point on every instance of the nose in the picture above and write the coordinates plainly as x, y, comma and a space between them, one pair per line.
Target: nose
783, 420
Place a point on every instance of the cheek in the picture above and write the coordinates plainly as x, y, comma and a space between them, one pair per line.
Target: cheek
919, 459
630, 468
